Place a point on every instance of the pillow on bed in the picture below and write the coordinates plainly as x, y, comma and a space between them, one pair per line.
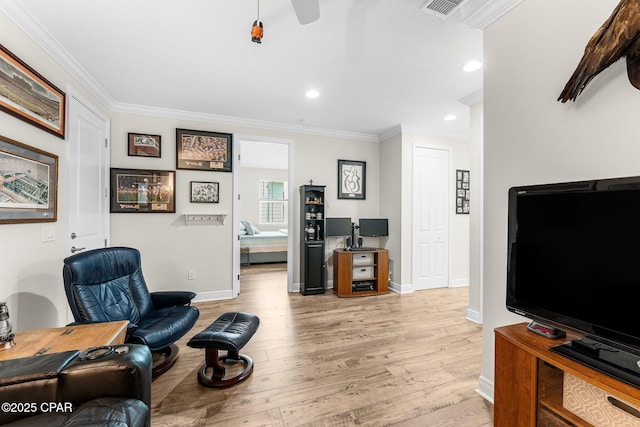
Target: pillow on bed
247, 227
254, 229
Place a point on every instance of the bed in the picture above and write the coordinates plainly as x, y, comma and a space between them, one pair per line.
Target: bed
263, 247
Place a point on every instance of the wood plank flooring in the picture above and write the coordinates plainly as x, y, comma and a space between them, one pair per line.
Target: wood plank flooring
320, 360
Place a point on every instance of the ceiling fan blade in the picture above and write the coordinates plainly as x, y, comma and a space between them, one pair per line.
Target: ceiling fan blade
307, 11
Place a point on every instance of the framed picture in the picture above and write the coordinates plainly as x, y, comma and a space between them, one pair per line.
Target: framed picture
27, 95
28, 183
205, 192
201, 150
144, 145
143, 191
462, 192
352, 179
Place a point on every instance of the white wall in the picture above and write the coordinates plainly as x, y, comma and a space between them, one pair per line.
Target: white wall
531, 138
169, 248
397, 173
31, 271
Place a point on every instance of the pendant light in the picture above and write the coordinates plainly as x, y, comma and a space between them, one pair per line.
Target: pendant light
256, 29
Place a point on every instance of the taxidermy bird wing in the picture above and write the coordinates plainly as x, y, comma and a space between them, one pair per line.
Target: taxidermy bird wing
617, 37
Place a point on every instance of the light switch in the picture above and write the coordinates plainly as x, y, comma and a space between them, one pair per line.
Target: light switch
48, 233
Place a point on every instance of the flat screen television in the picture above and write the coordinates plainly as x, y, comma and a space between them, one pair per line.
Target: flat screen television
338, 227
373, 227
574, 262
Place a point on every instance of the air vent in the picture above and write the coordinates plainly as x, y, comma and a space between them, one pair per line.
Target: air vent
441, 8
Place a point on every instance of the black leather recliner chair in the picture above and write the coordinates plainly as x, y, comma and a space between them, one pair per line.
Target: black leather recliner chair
105, 386
107, 284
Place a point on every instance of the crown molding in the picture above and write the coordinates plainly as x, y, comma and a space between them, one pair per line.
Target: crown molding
482, 13
19, 15
169, 113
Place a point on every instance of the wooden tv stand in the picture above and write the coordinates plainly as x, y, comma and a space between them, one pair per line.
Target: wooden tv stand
529, 378
360, 273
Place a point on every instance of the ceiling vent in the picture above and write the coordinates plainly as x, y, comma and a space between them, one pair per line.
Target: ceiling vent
441, 8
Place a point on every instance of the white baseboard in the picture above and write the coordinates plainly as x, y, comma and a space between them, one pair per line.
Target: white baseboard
459, 283
474, 316
213, 296
401, 289
485, 388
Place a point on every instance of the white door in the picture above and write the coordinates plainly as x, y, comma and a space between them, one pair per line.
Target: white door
430, 218
88, 201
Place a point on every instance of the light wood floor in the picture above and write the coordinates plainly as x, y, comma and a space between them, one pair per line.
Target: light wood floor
320, 360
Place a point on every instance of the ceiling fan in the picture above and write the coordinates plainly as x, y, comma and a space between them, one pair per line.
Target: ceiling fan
307, 11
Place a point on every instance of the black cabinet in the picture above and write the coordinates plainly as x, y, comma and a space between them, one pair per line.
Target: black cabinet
312, 257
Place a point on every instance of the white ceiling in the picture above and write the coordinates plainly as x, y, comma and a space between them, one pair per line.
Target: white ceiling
376, 63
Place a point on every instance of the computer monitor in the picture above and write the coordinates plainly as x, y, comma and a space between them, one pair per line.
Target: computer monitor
338, 227
374, 227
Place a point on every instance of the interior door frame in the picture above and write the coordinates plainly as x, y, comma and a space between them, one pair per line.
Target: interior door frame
447, 208
75, 96
237, 138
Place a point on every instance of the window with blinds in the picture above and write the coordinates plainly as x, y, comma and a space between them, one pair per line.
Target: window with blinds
273, 201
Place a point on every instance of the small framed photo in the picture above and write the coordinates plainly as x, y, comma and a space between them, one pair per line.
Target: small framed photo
352, 177
144, 145
28, 183
143, 191
205, 192
30, 97
202, 150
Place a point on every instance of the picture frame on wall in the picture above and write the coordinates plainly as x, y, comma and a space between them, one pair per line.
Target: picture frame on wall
205, 192
463, 194
145, 145
352, 179
25, 94
204, 150
29, 185
143, 191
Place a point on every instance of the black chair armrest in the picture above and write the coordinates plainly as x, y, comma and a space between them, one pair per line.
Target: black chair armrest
169, 298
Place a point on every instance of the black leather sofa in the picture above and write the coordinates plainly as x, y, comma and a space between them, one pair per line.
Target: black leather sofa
105, 386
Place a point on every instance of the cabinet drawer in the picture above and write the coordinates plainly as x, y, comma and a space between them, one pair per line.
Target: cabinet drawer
360, 273
362, 259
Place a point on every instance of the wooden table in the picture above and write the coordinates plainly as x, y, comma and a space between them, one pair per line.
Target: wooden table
55, 340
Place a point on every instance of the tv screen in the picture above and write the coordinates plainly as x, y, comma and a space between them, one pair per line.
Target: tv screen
574, 256
373, 227
338, 227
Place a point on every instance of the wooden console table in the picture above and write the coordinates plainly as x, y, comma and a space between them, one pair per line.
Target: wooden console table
55, 340
529, 380
360, 273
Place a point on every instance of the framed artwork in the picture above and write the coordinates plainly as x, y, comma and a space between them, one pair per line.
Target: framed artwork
27, 95
144, 145
202, 150
143, 191
205, 192
352, 179
28, 183
462, 192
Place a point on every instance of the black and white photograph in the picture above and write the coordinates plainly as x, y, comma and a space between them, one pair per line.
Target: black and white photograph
352, 179
462, 192
28, 183
205, 192
203, 150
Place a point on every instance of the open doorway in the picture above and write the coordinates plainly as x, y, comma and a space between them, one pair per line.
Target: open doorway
263, 211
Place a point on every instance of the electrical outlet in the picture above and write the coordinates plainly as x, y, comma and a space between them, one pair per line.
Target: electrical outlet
192, 275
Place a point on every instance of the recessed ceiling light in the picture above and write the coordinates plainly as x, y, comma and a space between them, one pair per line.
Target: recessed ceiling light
472, 66
450, 117
312, 93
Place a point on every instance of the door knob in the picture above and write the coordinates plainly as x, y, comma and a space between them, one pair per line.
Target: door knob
74, 249
73, 235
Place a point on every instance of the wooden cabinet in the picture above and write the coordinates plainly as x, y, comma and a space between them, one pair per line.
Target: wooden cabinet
529, 381
312, 257
360, 273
